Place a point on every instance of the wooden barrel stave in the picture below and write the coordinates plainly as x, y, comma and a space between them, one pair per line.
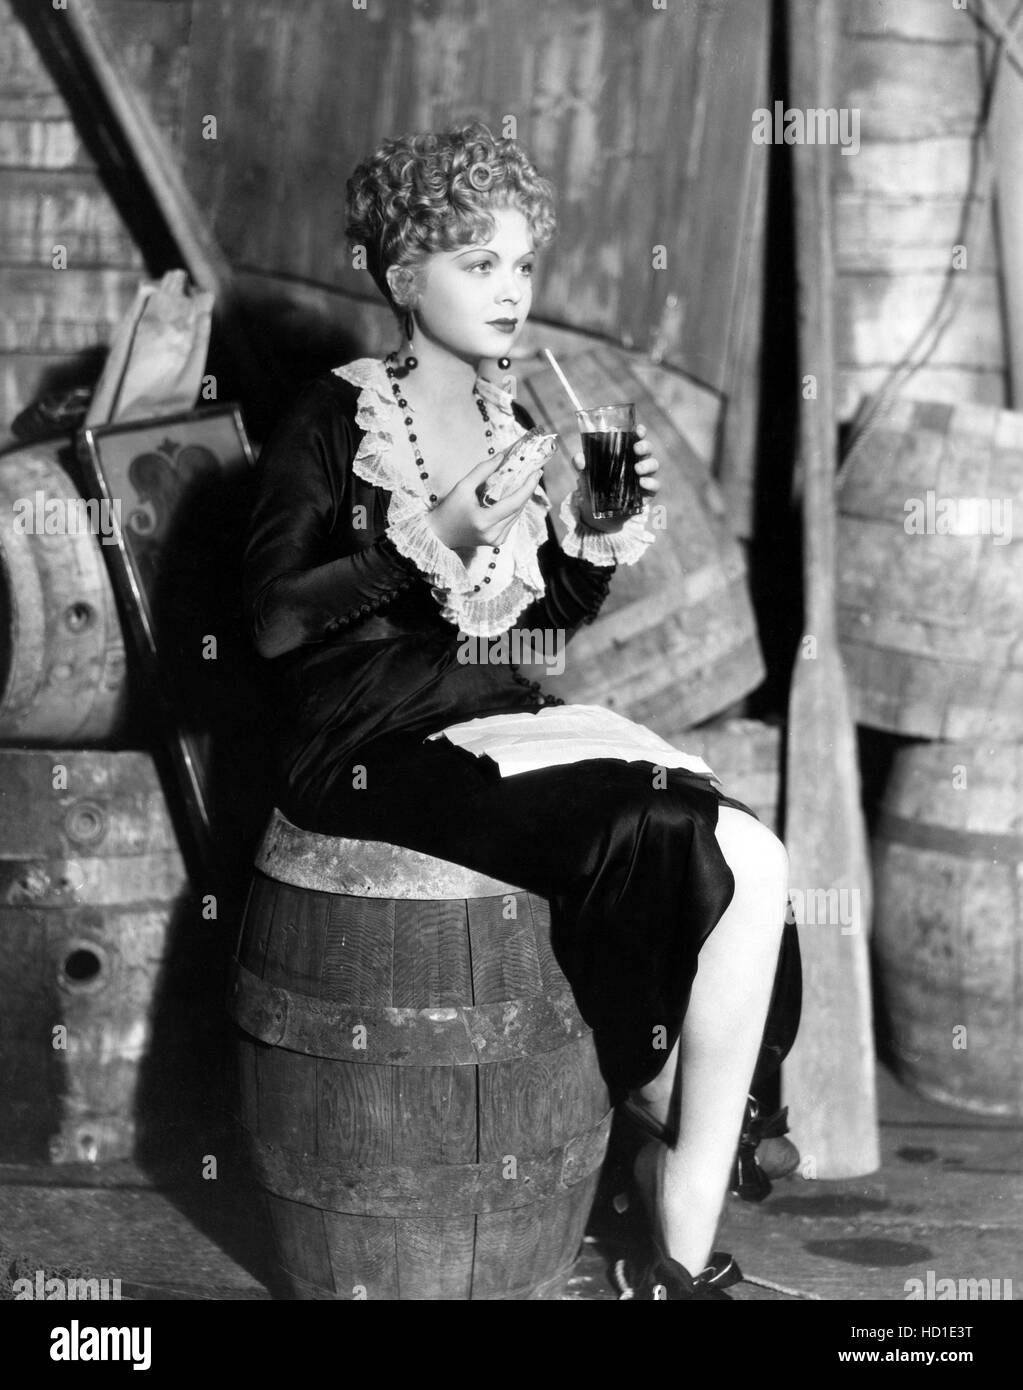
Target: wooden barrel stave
462, 1178
948, 857
329, 1255
91, 878
62, 658
930, 623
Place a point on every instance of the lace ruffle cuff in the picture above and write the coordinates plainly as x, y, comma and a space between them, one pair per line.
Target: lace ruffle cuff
453, 586
413, 538
604, 548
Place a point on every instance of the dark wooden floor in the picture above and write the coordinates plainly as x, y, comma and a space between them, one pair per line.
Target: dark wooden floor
946, 1204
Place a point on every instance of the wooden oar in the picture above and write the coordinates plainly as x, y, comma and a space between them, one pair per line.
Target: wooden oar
828, 1080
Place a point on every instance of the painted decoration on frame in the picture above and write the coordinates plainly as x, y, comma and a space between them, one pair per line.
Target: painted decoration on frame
178, 490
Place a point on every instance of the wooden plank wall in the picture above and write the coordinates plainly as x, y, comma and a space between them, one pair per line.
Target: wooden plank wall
913, 68
640, 116
56, 324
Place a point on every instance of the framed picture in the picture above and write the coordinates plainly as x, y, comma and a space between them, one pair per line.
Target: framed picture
175, 491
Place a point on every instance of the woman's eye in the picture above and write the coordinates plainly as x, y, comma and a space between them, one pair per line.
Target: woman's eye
528, 268
480, 265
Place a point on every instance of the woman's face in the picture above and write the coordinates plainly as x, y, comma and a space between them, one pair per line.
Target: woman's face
465, 294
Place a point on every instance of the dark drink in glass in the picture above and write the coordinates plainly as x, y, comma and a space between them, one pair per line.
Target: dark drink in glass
608, 434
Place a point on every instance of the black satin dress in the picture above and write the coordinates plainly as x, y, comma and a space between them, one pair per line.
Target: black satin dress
634, 874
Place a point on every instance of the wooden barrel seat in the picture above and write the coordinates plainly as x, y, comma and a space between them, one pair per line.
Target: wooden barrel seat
421, 1097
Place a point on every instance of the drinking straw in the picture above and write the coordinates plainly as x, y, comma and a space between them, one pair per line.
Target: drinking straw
562, 378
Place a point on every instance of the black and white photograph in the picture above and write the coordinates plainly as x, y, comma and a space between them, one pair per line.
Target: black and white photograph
511, 669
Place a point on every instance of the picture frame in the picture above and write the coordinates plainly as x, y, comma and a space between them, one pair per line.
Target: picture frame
175, 488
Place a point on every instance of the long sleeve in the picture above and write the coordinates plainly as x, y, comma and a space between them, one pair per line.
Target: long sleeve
575, 589
297, 588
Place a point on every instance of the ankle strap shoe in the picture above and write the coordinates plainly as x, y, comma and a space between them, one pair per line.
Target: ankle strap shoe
763, 1153
667, 1281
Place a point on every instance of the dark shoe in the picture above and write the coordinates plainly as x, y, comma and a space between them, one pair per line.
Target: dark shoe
666, 1281
777, 1155
763, 1153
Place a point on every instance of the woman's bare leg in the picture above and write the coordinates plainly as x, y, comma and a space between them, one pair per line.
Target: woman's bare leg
718, 1047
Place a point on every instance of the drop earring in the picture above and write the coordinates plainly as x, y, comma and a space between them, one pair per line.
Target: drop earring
411, 361
504, 363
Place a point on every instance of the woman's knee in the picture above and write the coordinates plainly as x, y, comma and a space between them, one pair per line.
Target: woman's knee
754, 853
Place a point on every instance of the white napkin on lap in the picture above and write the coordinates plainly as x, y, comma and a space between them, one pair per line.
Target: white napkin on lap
560, 734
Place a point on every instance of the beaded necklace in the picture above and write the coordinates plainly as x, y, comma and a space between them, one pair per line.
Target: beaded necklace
390, 365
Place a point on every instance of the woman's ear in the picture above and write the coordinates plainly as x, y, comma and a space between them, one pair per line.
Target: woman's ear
401, 282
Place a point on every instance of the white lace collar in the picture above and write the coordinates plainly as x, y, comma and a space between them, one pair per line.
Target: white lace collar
483, 598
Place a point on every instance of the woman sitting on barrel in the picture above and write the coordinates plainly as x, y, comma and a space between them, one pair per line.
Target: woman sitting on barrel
373, 556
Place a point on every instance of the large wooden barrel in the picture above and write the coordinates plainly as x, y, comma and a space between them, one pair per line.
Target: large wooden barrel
676, 641
931, 619
422, 1099
62, 659
91, 878
899, 204
948, 864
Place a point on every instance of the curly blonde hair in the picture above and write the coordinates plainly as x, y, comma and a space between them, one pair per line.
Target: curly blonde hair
417, 194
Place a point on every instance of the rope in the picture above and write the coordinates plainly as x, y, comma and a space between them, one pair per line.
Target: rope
781, 1288
989, 18
626, 1291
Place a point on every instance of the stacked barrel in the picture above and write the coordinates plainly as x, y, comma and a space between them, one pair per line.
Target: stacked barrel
931, 621
91, 874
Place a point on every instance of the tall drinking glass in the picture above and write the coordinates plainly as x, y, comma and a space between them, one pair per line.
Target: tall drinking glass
608, 434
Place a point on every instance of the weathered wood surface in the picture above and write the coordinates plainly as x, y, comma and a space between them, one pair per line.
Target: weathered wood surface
63, 673
911, 20
1007, 158
59, 322
914, 72
909, 91
42, 207
601, 275
66, 311
439, 1171
151, 39
644, 153
365, 868
832, 1058
947, 385
738, 460
38, 144
879, 317
948, 1200
746, 755
894, 238
935, 169
91, 879
929, 604
948, 854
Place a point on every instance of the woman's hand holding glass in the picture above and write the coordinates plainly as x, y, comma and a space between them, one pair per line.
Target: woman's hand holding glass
463, 524
646, 469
